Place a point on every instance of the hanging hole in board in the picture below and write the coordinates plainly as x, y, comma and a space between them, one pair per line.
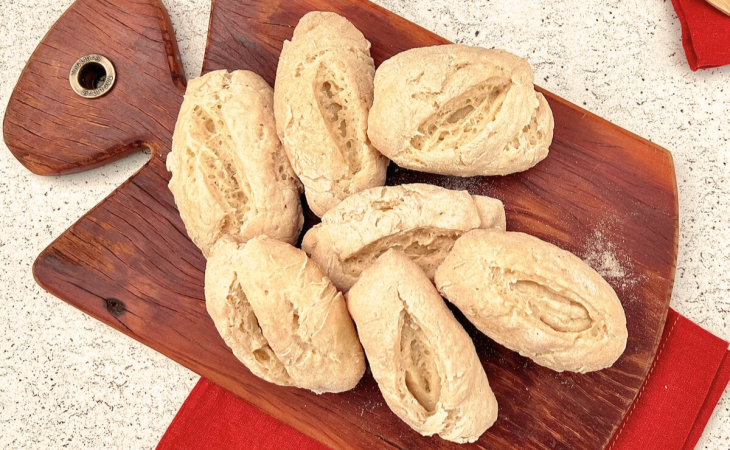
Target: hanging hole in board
92, 76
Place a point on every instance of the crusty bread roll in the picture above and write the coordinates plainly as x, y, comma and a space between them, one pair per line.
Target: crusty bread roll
459, 110
323, 92
423, 360
420, 219
281, 315
536, 299
230, 175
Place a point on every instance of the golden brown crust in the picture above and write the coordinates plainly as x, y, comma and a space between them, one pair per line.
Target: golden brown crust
459, 110
281, 315
230, 175
323, 93
423, 360
536, 299
420, 219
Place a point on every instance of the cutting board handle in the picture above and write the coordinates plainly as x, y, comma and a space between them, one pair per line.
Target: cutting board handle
53, 130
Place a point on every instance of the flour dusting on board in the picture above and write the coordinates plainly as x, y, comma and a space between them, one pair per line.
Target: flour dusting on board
472, 184
602, 257
609, 262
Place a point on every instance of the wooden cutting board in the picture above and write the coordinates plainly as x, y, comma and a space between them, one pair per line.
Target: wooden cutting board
602, 193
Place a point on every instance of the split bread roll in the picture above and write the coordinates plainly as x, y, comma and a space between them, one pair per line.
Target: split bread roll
281, 316
536, 299
420, 219
230, 175
459, 110
323, 92
424, 362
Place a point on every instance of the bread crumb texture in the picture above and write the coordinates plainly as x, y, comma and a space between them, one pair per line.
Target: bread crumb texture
424, 362
281, 315
323, 94
230, 175
459, 110
536, 299
421, 220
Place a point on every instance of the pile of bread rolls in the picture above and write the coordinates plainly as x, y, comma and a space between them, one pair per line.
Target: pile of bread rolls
372, 274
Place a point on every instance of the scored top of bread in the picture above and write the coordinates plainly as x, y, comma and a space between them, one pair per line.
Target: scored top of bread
535, 298
421, 219
230, 175
424, 362
281, 316
459, 110
323, 92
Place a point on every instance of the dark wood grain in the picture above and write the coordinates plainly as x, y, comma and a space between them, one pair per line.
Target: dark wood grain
52, 130
129, 263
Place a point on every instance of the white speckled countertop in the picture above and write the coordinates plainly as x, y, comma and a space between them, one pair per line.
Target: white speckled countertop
67, 381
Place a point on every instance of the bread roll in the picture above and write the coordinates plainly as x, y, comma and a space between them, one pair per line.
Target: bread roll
323, 92
459, 110
230, 175
281, 315
423, 360
536, 299
420, 219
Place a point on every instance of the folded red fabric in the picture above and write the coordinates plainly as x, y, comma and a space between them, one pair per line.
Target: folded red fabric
705, 33
214, 419
685, 382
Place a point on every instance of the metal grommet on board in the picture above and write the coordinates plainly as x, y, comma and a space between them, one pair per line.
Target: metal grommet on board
92, 76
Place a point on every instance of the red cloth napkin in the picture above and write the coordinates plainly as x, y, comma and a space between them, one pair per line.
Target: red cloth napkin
685, 382
705, 33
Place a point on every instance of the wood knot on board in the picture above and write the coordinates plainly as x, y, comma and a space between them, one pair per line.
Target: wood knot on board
115, 306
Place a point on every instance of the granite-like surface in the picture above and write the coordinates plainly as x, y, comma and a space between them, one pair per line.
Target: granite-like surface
67, 381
